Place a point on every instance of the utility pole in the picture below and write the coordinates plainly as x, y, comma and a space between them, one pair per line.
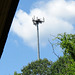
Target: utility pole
36, 23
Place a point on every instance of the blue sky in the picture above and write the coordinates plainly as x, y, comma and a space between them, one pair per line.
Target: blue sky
21, 44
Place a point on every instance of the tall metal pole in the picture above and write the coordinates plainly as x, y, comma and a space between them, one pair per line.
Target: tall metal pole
36, 23
38, 42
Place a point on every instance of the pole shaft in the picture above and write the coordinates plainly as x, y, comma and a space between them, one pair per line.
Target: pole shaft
38, 42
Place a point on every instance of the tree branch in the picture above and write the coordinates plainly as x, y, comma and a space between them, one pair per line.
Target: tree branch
53, 48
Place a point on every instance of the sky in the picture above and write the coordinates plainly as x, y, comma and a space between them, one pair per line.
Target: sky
21, 45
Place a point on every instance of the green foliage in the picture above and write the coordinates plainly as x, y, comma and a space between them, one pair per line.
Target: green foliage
63, 66
15, 73
19, 74
38, 67
67, 43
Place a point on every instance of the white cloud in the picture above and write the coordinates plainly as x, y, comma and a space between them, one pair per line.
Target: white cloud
59, 17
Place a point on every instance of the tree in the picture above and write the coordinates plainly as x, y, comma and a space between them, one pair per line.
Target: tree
15, 73
65, 65
41, 67
67, 43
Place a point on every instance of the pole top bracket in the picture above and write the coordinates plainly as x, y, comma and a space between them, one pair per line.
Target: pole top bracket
37, 20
